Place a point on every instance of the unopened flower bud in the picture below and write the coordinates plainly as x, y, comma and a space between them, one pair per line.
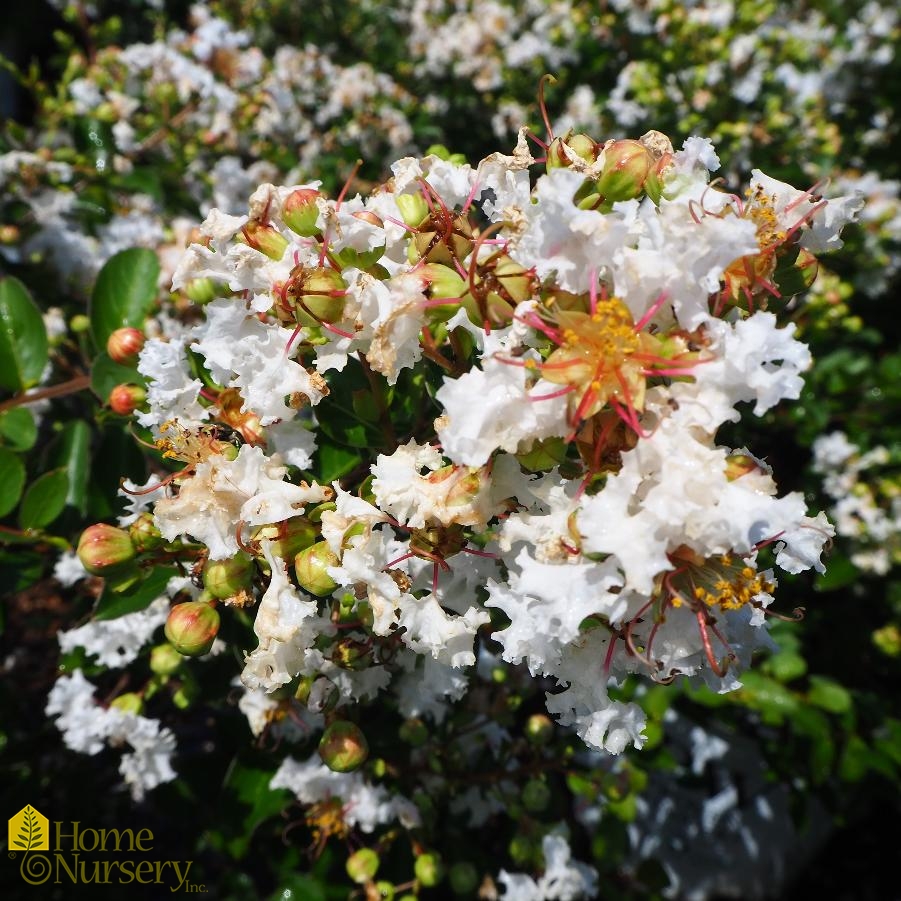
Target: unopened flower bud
164, 660
536, 795
463, 878
539, 729
414, 732
413, 208
311, 568
225, 578
351, 654
104, 549
124, 345
300, 212
9, 234
738, 465
362, 865
192, 628
144, 533
428, 869
626, 167
314, 294
343, 747
561, 151
384, 890
130, 702
125, 399
203, 290
265, 238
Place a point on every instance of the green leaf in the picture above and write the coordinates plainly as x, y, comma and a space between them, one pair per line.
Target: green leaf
829, 695
72, 454
334, 461
12, 480
44, 500
124, 294
18, 429
113, 604
106, 374
774, 701
786, 666
23, 337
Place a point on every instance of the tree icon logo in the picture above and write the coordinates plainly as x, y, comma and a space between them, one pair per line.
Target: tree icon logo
29, 831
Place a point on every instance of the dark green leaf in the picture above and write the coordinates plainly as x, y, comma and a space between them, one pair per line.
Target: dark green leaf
72, 454
12, 480
44, 500
334, 461
23, 337
18, 429
124, 294
113, 604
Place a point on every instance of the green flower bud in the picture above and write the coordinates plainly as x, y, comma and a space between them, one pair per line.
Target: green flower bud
129, 703
413, 208
265, 238
225, 578
310, 567
536, 795
125, 399
582, 145
79, 323
288, 537
343, 747
192, 628
414, 732
539, 729
351, 654
144, 534
362, 865
627, 165
124, 345
313, 295
384, 890
300, 212
164, 660
463, 878
204, 290
104, 549
428, 869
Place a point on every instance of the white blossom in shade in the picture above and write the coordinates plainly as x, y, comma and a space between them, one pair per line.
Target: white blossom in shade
253, 356
223, 493
117, 642
477, 804
286, 624
493, 408
428, 687
293, 441
600, 722
364, 805
415, 487
566, 243
88, 728
564, 879
754, 361
396, 312
546, 603
428, 628
824, 219
352, 685
800, 546
68, 569
171, 392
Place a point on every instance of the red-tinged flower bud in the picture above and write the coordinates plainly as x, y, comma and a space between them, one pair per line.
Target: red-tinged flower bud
224, 579
314, 295
204, 290
311, 568
343, 747
125, 399
539, 729
362, 865
428, 869
144, 533
413, 208
124, 345
738, 465
300, 212
9, 234
627, 165
104, 549
129, 703
265, 238
164, 660
192, 628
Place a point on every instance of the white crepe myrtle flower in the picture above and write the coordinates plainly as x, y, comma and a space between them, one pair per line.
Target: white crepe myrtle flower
564, 879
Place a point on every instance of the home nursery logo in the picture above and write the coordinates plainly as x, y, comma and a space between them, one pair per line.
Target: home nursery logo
83, 856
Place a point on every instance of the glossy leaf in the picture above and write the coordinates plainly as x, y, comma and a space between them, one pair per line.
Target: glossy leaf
106, 374
18, 429
72, 454
44, 500
23, 337
124, 294
12, 480
117, 603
